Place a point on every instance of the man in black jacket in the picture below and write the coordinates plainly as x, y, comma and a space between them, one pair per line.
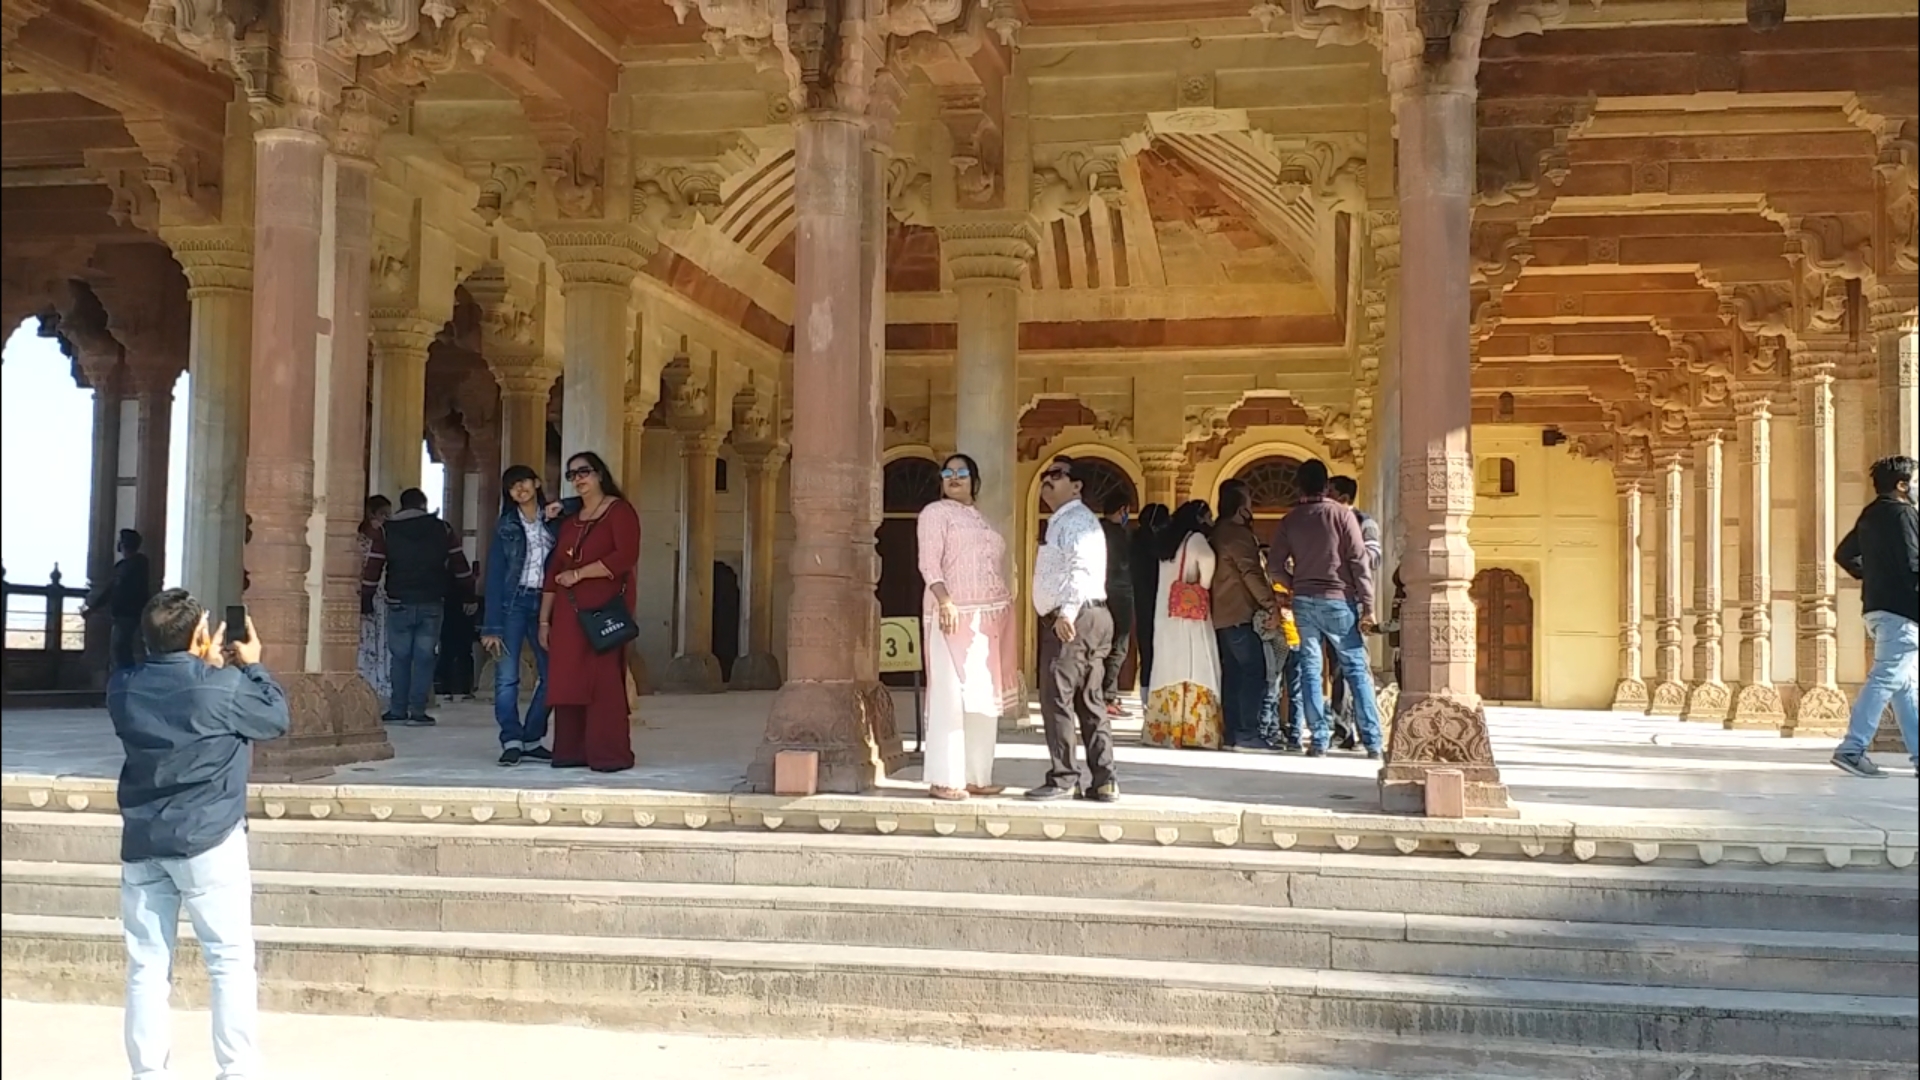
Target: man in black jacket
124, 594
1119, 594
1883, 554
187, 719
424, 562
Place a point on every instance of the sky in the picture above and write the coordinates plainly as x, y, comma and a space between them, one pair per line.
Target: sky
46, 452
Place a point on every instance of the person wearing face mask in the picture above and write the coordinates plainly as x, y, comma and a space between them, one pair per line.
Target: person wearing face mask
523, 539
973, 672
1882, 552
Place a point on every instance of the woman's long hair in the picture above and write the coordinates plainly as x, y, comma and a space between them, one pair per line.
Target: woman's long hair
608, 486
1192, 517
1147, 527
513, 475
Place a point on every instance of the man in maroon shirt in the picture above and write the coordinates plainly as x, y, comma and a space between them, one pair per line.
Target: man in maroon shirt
1319, 554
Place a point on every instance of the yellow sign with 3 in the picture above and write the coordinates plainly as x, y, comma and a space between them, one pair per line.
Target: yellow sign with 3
900, 644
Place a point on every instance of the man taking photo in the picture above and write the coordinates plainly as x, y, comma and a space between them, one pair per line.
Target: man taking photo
187, 719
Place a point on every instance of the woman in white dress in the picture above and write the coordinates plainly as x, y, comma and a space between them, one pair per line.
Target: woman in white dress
1183, 701
973, 672
374, 665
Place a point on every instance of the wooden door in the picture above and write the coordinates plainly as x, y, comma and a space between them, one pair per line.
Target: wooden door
900, 583
1503, 608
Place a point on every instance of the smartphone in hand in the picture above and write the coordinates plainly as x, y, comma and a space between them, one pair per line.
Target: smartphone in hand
237, 622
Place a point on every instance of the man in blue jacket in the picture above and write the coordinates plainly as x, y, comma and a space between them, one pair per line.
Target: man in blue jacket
1883, 554
187, 719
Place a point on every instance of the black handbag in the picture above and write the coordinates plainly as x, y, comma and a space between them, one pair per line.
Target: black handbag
609, 626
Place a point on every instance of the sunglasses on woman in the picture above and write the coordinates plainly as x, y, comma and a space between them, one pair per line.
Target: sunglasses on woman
960, 473
580, 473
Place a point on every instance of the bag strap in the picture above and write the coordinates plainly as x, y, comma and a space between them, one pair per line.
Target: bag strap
586, 529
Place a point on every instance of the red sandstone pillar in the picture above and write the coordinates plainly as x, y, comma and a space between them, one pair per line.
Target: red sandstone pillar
823, 707
1439, 722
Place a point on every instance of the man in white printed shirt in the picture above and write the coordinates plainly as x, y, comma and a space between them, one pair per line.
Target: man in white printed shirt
1070, 595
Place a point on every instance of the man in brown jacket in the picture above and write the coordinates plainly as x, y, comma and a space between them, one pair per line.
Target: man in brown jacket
1319, 554
1241, 590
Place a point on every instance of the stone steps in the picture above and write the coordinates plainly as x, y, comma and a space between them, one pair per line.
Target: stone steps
1086, 1003
1414, 966
1751, 898
1320, 939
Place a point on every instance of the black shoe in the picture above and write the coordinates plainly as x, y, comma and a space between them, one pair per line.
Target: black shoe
1049, 792
1107, 792
423, 720
510, 756
1316, 751
389, 718
536, 752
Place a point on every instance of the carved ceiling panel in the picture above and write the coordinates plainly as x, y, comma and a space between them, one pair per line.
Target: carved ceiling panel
1208, 235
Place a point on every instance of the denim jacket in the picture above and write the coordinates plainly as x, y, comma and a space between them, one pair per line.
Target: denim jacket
506, 556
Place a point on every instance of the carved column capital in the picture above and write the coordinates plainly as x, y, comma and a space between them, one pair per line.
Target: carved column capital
987, 252
217, 259
402, 331
597, 254
362, 118
698, 443
762, 457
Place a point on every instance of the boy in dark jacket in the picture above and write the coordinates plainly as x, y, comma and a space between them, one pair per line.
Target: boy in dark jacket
1883, 554
187, 719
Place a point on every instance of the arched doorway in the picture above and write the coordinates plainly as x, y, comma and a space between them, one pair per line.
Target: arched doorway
908, 485
1109, 482
726, 617
1272, 483
1503, 608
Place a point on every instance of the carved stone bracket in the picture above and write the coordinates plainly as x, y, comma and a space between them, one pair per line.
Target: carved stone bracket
671, 198
1063, 187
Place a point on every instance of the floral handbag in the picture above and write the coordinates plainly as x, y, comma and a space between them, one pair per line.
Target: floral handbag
1188, 599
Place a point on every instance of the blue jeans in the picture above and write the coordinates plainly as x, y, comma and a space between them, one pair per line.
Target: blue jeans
520, 627
1283, 673
1243, 682
413, 641
1895, 678
217, 889
1338, 623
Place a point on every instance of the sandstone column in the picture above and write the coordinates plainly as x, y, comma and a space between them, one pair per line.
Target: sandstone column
1820, 708
695, 670
153, 387
1756, 701
400, 344
525, 393
823, 707
1707, 695
1899, 384
1630, 694
987, 262
103, 516
1160, 467
760, 668
641, 397
1669, 695
1438, 722
597, 264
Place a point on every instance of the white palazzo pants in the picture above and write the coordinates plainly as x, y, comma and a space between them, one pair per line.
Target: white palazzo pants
960, 744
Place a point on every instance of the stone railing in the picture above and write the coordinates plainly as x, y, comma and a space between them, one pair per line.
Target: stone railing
45, 642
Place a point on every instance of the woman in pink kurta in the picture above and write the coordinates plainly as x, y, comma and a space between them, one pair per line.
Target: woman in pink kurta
973, 672
592, 563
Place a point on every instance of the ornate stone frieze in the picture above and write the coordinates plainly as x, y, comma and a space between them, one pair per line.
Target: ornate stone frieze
1063, 187
670, 198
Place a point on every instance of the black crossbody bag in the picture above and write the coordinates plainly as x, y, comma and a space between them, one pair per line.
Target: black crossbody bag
611, 625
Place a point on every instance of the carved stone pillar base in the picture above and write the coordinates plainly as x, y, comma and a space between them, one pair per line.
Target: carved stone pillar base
1668, 699
1388, 699
1630, 695
1756, 706
757, 671
850, 725
336, 721
1436, 731
1820, 711
1707, 703
693, 673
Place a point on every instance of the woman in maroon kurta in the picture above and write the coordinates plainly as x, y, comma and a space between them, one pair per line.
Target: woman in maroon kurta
593, 560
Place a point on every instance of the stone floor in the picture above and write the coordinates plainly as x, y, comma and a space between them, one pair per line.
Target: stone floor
1588, 767
82, 1042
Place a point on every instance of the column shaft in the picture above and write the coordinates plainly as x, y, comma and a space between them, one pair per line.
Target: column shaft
1820, 708
1438, 719
1899, 394
695, 669
1669, 695
218, 263
156, 446
1707, 695
1756, 701
823, 707
760, 668
986, 390
1160, 469
523, 422
633, 474
400, 408
103, 517
1630, 694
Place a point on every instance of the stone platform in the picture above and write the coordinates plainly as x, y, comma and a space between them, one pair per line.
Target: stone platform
1589, 786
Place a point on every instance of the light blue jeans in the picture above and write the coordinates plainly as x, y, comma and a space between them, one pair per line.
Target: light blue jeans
1338, 623
1895, 678
217, 889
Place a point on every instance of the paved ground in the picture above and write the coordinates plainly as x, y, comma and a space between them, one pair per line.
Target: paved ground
1589, 767
82, 1042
